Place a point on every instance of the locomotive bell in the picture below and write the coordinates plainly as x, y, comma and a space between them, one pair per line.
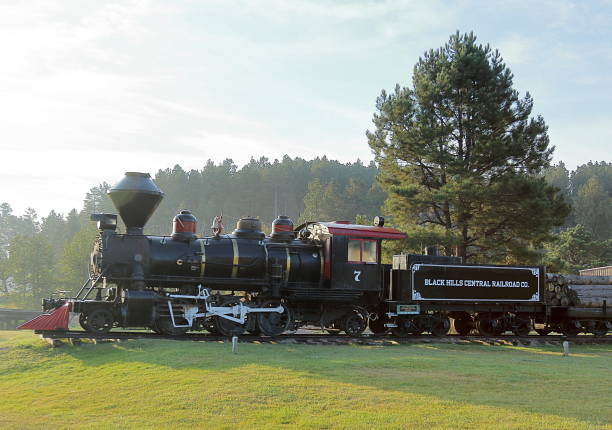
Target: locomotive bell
184, 226
136, 197
249, 228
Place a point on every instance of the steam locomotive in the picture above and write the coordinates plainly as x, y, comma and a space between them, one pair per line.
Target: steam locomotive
327, 274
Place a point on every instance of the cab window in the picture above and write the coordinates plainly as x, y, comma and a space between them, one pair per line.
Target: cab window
362, 251
354, 250
368, 253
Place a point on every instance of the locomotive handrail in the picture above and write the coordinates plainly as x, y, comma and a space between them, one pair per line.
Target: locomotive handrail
92, 285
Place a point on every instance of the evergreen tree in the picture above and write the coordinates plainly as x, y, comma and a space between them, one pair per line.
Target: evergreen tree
575, 249
97, 201
459, 155
4, 290
559, 176
601, 170
593, 207
74, 262
73, 225
31, 264
54, 229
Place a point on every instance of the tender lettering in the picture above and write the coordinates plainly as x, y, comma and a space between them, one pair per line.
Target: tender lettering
474, 283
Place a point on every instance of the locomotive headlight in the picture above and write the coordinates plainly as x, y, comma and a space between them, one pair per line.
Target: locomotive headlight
105, 221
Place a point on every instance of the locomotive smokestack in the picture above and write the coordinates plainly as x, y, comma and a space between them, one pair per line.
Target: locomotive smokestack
136, 197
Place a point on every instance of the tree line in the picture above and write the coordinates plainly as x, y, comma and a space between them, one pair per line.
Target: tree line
585, 239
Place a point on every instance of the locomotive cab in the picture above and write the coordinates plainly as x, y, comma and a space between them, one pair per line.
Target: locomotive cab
352, 254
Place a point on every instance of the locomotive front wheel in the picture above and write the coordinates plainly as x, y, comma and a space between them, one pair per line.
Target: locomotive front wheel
273, 323
354, 324
99, 321
83, 321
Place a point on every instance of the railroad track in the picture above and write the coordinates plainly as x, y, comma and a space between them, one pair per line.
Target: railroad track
310, 338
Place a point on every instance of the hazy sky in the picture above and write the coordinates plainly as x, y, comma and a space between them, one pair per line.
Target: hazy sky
90, 89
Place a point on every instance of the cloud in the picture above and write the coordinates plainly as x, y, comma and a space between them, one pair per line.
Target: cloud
518, 49
575, 146
90, 89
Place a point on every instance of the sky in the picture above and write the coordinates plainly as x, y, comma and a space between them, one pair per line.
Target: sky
91, 89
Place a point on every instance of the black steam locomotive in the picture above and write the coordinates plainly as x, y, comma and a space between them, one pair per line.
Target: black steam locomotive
327, 274
226, 283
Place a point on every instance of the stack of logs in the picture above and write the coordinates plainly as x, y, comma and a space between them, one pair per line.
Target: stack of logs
575, 290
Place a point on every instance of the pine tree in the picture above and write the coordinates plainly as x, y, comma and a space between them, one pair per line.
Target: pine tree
460, 155
31, 265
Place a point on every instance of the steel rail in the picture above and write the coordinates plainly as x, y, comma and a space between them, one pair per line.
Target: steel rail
324, 339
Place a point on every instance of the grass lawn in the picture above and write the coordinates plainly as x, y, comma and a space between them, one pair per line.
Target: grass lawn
168, 384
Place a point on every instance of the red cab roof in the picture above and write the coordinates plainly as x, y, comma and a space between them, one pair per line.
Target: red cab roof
342, 228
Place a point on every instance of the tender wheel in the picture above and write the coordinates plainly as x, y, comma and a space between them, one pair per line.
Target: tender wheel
163, 325
598, 328
408, 327
522, 326
99, 320
273, 323
440, 325
377, 326
487, 325
354, 324
571, 328
464, 325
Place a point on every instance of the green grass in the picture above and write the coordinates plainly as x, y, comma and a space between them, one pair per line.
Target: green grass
166, 384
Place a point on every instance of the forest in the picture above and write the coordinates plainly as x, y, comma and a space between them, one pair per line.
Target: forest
42, 255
